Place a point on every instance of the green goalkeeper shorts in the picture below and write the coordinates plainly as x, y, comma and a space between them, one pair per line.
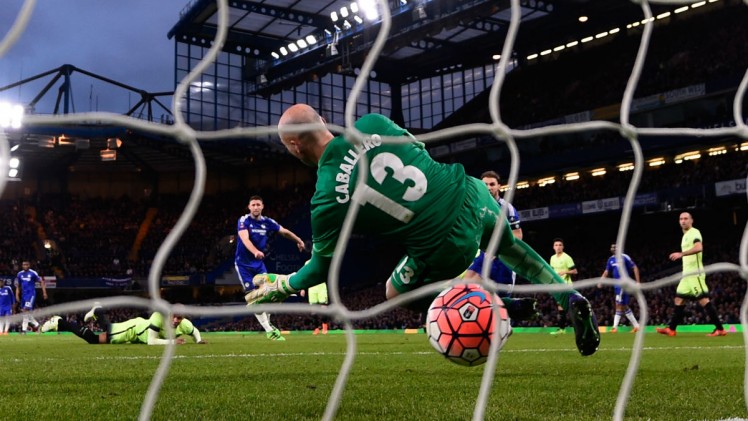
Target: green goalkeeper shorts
456, 251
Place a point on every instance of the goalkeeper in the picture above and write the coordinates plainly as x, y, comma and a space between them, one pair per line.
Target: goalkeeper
134, 331
409, 199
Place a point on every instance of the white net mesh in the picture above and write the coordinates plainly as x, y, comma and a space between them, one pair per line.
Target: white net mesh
189, 137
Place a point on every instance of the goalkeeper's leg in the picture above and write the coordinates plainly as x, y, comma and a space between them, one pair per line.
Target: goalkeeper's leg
526, 262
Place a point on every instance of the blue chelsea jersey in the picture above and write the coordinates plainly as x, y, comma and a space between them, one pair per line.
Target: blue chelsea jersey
26, 280
259, 232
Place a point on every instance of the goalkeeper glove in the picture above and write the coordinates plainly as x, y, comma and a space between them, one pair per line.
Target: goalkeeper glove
269, 288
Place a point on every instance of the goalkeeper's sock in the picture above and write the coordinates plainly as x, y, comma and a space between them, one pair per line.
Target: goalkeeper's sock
526, 262
520, 309
712, 312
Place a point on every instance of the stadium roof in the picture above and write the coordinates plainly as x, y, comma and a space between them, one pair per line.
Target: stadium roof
455, 33
427, 36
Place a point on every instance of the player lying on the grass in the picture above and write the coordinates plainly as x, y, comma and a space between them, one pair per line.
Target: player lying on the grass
149, 331
441, 215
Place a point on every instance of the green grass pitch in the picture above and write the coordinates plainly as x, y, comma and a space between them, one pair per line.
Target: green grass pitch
395, 377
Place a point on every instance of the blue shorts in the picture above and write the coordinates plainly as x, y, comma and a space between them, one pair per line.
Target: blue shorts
6, 311
622, 298
246, 273
27, 303
500, 273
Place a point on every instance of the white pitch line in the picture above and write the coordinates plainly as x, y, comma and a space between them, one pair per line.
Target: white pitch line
16, 359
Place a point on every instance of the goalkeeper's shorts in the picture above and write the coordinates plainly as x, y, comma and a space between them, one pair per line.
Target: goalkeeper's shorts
456, 251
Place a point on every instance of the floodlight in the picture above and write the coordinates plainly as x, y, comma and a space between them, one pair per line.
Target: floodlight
11, 115
369, 7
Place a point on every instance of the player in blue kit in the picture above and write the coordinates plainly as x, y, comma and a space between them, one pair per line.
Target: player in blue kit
519, 309
26, 293
254, 230
622, 297
7, 301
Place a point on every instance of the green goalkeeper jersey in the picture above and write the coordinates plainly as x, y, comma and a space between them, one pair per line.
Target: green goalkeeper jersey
408, 197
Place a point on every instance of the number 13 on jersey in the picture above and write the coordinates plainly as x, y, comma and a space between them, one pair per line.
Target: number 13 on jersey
379, 166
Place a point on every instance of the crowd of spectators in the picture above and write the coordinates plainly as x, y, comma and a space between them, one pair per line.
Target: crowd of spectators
680, 184
96, 237
19, 236
93, 233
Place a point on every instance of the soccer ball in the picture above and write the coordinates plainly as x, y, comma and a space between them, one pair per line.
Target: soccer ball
460, 324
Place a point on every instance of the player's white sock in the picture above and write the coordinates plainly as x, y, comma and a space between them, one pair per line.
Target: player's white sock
264, 320
33, 321
25, 323
616, 320
632, 319
3, 327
